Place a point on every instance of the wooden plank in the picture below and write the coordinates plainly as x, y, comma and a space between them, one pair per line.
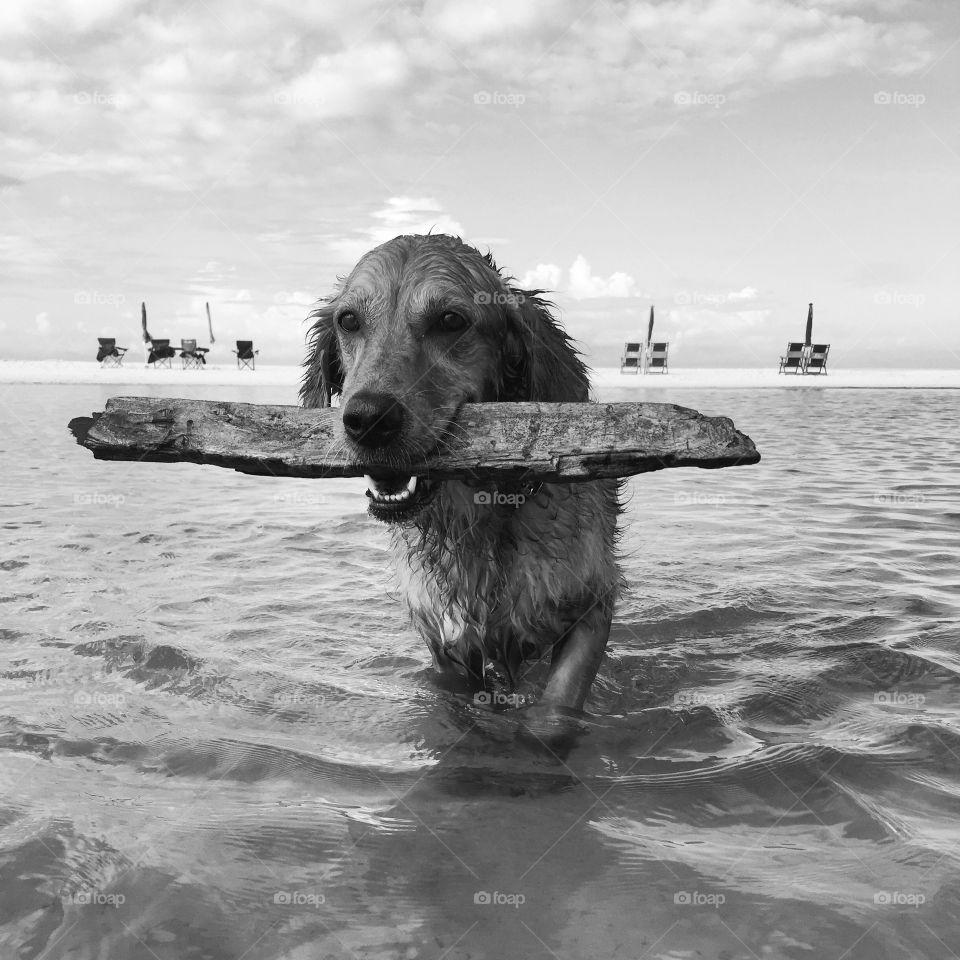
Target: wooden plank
563, 442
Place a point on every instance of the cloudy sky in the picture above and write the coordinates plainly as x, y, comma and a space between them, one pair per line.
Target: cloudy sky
725, 160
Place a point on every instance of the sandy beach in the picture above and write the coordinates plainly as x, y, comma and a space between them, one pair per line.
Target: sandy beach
604, 378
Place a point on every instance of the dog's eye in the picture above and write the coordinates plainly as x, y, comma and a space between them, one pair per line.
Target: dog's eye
349, 322
452, 323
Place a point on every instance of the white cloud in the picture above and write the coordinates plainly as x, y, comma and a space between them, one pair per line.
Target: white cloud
466, 22
353, 81
581, 284
753, 43
300, 298
401, 215
79, 15
545, 276
181, 102
399, 210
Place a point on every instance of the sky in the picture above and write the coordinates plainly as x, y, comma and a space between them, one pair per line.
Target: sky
726, 161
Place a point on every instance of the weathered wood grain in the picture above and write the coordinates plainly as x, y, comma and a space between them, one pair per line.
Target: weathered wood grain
534, 441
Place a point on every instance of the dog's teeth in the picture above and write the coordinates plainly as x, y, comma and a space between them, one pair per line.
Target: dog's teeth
378, 495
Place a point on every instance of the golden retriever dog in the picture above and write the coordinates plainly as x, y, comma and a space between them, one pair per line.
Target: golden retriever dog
493, 578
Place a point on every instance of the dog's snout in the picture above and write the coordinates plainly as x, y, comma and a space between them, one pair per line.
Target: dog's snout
373, 419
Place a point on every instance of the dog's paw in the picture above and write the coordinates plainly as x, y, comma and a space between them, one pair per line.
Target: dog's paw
550, 727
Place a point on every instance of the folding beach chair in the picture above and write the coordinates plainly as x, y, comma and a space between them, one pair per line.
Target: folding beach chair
793, 360
657, 357
246, 355
161, 354
817, 359
109, 354
192, 356
630, 361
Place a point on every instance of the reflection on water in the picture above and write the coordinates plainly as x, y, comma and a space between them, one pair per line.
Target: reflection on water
221, 740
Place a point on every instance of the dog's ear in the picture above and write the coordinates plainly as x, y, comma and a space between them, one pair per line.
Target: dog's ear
324, 370
539, 359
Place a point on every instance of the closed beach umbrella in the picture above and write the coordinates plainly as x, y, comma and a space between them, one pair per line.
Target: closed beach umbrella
143, 323
210, 325
809, 335
650, 326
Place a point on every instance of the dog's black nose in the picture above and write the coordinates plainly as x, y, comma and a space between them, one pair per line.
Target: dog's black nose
373, 419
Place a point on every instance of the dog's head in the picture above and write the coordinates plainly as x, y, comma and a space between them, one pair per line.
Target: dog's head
421, 326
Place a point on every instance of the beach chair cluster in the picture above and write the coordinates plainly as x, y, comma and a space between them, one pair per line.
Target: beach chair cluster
161, 354
805, 358
644, 357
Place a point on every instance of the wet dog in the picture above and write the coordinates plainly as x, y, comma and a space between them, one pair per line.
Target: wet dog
420, 327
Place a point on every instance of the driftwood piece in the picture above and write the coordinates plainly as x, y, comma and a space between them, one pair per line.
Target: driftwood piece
533, 441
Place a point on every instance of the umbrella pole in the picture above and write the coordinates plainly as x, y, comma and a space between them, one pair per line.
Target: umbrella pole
146, 337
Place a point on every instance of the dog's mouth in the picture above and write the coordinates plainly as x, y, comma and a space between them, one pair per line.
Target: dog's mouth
396, 497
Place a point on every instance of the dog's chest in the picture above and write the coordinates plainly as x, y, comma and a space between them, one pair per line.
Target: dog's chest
479, 587
489, 581
471, 604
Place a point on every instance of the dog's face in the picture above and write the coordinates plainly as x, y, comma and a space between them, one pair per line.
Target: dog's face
416, 341
423, 325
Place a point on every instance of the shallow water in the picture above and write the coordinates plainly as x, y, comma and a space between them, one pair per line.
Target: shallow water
220, 739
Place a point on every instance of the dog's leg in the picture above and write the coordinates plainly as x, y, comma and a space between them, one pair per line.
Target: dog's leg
552, 723
577, 657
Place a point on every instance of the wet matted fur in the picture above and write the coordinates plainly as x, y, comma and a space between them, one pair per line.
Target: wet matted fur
492, 577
